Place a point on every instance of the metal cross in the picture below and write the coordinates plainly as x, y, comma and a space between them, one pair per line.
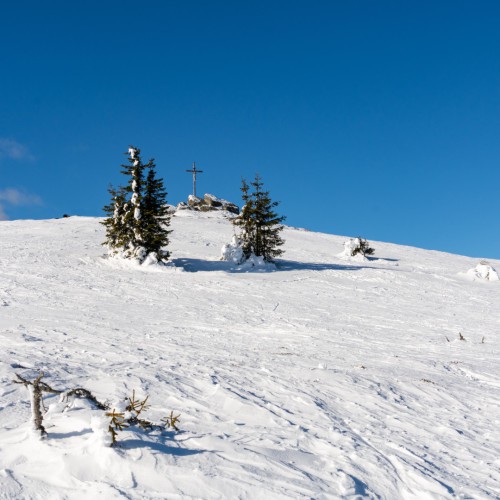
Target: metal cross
194, 172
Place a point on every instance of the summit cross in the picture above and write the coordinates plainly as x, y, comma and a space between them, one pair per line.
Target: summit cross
194, 172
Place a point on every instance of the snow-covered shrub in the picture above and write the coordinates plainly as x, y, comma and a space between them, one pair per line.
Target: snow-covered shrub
483, 271
355, 246
105, 426
233, 252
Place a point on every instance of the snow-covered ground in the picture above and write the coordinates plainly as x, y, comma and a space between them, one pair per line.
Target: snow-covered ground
326, 378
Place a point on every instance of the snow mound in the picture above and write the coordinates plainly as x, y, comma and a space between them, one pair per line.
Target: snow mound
256, 263
232, 252
150, 263
483, 271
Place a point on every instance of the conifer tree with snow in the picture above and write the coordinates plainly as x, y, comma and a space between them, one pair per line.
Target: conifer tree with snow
246, 220
363, 248
260, 226
356, 246
155, 217
137, 222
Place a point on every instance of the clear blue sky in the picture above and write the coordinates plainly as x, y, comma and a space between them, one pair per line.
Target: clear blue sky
372, 118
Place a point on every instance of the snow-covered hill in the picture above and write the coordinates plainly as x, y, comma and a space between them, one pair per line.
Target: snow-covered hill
326, 378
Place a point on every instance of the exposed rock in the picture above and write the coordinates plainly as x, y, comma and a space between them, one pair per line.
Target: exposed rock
230, 207
183, 206
207, 208
194, 201
207, 204
212, 200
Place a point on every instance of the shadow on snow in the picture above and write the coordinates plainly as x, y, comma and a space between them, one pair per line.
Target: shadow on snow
160, 446
196, 265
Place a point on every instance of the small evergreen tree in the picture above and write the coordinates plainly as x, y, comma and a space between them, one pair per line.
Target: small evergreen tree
246, 221
155, 217
364, 248
356, 246
137, 222
259, 224
114, 223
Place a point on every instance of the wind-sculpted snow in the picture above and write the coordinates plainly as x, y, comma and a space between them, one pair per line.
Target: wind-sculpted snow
322, 378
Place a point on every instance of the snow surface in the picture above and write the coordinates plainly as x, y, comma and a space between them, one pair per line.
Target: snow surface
323, 378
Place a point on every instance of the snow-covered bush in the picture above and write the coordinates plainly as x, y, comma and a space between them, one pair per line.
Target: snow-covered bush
104, 422
355, 246
233, 252
483, 271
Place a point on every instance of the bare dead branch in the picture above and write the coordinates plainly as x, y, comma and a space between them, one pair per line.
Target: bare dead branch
36, 403
118, 420
80, 392
43, 386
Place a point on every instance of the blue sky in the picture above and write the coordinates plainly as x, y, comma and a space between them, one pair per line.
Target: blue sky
379, 119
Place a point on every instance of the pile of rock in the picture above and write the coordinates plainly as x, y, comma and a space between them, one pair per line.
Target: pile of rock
207, 204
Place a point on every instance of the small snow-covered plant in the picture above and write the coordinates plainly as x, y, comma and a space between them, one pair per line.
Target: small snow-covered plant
117, 423
355, 246
130, 417
119, 420
171, 421
136, 405
484, 271
233, 252
134, 408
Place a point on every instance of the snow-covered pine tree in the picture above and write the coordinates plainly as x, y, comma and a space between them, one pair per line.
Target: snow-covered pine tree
363, 248
245, 221
356, 246
260, 225
137, 223
116, 236
155, 218
268, 224
132, 216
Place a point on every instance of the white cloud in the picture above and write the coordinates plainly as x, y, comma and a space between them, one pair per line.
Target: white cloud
15, 197
9, 148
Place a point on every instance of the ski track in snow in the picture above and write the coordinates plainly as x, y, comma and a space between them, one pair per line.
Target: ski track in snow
323, 379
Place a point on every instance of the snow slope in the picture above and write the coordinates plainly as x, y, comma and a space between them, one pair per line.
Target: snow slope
327, 378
